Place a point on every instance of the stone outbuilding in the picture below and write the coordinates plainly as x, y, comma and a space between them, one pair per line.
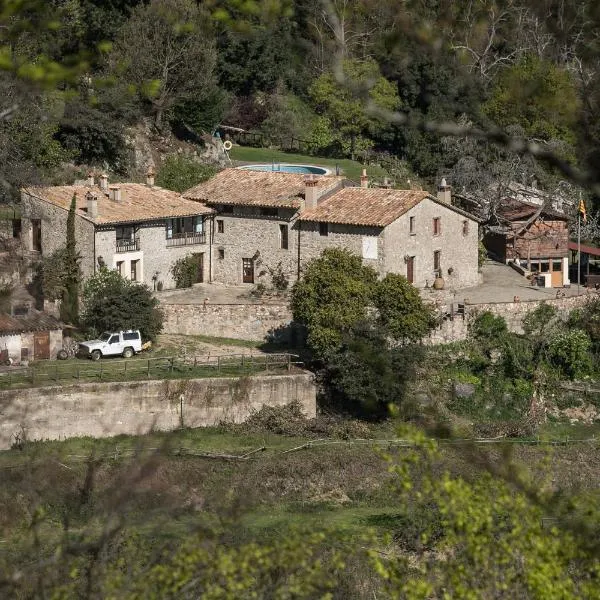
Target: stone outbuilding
272, 223
33, 336
533, 237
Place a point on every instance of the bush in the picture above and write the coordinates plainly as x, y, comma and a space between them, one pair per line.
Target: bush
185, 271
180, 173
113, 303
570, 352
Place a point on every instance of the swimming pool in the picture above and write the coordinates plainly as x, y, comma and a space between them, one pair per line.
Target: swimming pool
288, 168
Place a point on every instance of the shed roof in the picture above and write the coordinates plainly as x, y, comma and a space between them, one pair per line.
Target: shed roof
139, 202
34, 321
258, 188
512, 209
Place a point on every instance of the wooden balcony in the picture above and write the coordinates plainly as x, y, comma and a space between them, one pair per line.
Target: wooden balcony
186, 239
127, 245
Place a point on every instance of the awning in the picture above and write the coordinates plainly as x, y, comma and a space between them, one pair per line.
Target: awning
585, 249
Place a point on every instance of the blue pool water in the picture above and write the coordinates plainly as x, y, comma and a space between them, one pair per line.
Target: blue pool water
288, 168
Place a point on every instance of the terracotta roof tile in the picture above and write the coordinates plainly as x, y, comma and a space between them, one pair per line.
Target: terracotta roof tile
139, 202
374, 207
258, 188
35, 321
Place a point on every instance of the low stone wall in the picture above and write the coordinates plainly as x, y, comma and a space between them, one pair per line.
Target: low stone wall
454, 330
108, 409
239, 321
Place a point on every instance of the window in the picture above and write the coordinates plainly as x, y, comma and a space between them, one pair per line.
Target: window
465, 227
114, 339
544, 266
221, 253
134, 270
120, 267
556, 265
36, 235
437, 260
184, 225
220, 226
324, 229
126, 241
268, 212
227, 209
437, 226
283, 236
125, 233
132, 335
411, 225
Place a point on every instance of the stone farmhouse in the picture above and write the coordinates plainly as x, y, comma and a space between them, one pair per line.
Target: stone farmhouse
140, 230
270, 222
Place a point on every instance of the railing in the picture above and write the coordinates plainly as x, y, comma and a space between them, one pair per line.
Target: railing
127, 245
163, 367
186, 239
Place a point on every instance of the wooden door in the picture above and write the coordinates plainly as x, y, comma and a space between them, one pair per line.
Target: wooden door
41, 345
199, 267
556, 270
410, 269
247, 270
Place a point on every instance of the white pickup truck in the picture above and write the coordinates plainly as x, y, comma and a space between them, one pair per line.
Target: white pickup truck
116, 343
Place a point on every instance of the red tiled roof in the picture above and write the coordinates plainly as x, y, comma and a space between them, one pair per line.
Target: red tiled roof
258, 188
35, 321
374, 207
139, 202
585, 249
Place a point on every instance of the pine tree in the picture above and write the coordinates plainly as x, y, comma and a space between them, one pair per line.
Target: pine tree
69, 310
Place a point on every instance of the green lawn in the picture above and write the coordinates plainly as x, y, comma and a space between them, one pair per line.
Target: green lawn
350, 168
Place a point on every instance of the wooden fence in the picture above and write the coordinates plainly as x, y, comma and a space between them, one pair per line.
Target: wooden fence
171, 367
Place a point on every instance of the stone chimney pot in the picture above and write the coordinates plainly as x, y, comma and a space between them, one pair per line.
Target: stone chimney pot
444, 193
104, 181
90, 178
364, 179
114, 193
150, 177
311, 195
92, 205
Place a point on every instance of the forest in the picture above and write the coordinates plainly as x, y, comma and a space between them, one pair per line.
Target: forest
482, 92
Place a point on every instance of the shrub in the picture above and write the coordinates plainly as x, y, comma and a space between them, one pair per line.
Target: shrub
180, 173
570, 352
185, 270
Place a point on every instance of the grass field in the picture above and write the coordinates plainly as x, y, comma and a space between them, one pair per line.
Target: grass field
350, 168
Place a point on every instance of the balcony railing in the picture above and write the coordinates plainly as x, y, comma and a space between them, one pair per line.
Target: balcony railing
128, 245
186, 239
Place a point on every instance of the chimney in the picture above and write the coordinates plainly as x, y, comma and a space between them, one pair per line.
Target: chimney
150, 177
444, 194
114, 193
104, 182
311, 195
92, 205
90, 178
364, 180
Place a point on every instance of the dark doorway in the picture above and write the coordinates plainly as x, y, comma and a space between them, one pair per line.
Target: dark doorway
41, 345
199, 267
247, 270
36, 235
410, 269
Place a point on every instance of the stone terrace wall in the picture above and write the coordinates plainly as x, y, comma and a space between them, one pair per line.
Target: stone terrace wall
108, 409
513, 312
239, 321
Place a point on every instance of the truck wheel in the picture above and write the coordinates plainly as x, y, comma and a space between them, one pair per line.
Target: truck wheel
128, 353
62, 355
96, 354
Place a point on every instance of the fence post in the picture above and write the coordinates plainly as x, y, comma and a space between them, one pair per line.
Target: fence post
33, 375
125, 368
219, 363
148, 375
172, 359
56, 373
266, 362
289, 361
78, 373
101, 367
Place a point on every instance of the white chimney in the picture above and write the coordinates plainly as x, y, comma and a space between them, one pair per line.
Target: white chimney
364, 180
311, 195
444, 193
92, 205
90, 178
150, 177
104, 181
114, 193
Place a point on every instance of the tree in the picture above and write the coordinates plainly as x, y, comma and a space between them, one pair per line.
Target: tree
112, 303
166, 51
333, 295
69, 307
401, 312
345, 112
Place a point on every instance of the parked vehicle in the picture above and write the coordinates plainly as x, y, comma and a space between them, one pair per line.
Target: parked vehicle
116, 343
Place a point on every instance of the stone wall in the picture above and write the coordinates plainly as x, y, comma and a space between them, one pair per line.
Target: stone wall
454, 330
108, 409
239, 321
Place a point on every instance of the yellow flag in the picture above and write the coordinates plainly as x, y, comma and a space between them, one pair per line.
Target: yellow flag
582, 210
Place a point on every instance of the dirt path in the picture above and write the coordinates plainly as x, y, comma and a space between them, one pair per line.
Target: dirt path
189, 344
